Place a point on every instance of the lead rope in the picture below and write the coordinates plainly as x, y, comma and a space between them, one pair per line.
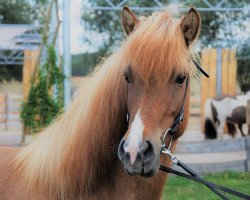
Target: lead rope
192, 175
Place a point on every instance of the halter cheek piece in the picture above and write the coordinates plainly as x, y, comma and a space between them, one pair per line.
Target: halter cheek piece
180, 116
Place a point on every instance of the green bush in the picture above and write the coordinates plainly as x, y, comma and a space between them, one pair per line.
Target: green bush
42, 106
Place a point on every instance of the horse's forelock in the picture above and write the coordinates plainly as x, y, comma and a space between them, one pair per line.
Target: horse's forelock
157, 49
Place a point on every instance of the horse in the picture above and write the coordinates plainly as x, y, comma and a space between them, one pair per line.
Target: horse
225, 110
107, 143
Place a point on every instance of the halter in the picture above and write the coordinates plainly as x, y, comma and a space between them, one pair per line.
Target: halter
180, 116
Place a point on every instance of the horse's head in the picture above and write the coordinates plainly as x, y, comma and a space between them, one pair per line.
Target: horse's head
160, 62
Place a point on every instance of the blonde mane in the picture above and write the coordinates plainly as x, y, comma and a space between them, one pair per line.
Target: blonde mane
73, 155
157, 48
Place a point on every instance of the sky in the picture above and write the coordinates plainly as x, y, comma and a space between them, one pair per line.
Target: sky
76, 28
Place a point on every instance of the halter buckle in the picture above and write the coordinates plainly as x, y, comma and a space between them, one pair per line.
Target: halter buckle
181, 118
173, 157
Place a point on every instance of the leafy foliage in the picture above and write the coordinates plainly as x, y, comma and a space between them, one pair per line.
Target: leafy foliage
108, 23
82, 64
243, 70
21, 11
212, 31
15, 12
42, 106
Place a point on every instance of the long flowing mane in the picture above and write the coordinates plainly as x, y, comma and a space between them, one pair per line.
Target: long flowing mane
79, 150
78, 139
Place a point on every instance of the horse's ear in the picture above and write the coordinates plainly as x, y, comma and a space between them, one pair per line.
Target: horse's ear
129, 20
190, 26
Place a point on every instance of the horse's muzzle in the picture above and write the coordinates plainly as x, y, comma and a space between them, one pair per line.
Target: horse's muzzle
144, 162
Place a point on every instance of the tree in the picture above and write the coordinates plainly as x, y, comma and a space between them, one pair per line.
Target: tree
22, 11
45, 100
217, 27
243, 70
108, 23
15, 12
82, 64
42, 106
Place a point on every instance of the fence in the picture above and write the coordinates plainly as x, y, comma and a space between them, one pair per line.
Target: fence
216, 155
29, 66
9, 111
194, 120
221, 65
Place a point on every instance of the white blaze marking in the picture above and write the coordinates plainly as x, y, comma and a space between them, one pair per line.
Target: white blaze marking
135, 137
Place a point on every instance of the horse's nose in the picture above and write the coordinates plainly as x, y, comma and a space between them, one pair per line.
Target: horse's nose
137, 158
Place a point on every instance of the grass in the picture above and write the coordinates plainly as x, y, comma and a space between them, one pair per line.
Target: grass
183, 189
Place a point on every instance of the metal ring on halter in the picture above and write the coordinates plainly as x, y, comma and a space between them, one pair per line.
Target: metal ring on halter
164, 137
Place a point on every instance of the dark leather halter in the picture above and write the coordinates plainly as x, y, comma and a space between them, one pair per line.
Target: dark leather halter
180, 116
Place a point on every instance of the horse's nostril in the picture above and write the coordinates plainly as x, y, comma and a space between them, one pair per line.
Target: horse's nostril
127, 157
122, 154
121, 151
147, 151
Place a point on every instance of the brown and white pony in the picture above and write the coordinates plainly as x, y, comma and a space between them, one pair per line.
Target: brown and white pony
77, 156
225, 110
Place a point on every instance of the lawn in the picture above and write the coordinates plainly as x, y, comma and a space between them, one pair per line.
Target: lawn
183, 189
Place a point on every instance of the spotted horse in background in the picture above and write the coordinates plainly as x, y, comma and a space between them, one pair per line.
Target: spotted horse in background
225, 110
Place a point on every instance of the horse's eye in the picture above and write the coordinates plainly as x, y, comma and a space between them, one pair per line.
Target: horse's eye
126, 78
180, 79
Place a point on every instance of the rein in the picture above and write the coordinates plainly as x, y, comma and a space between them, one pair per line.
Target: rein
191, 174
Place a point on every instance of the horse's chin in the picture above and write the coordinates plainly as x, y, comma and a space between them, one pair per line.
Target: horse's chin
144, 172
150, 173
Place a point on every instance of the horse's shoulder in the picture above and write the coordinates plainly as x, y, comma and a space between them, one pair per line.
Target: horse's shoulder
8, 179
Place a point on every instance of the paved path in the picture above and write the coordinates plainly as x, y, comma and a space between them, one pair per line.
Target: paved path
10, 137
195, 136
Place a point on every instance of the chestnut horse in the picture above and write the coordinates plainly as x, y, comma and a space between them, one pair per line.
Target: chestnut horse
77, 156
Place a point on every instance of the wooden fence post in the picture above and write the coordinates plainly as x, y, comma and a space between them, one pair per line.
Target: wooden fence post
248, 137
248, 116
3, 111
221, 67
29, 66
248, 153
208, 86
